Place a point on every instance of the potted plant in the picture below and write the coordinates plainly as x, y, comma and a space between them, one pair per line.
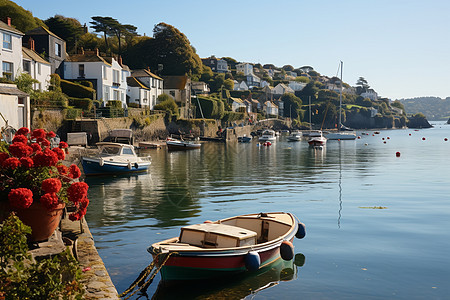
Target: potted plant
37, 185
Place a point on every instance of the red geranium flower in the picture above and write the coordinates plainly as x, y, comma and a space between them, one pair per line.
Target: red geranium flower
38, 133
46, 158
60, 153
74, 171
77, 192
36, 147
22, 131
11, 163
63, 145
63, 170
3, 156
20, 150
51, 185
26, 162
49, 200
20, 198
20, 139
50, 134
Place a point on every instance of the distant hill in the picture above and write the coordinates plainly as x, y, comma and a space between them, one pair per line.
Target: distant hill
21, 18
433, 108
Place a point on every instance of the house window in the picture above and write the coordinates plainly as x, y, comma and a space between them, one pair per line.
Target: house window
7, 70
172, 93
116, 77
7, 41
105, 75
81, 70
153, 100
116, 95
27, 66
57, 49
106, 92
39, 68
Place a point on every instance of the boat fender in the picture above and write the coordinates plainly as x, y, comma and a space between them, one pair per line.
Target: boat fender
208, 222
301, 231
252, 261
129, 165
286, 250
101, 162
136, 165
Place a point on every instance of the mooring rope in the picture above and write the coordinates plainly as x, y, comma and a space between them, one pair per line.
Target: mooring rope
144, 274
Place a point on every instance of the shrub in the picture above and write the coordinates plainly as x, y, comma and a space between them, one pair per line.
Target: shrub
168, 105
83, 103
230, 116
86, 83
114, 104
73, 113
133, 105
75, 90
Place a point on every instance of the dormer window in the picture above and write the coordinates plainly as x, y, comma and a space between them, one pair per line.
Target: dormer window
81, 71
58, 49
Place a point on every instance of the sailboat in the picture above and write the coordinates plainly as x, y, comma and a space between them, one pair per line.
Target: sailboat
341, 134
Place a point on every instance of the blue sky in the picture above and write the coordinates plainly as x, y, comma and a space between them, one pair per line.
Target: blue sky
400, 47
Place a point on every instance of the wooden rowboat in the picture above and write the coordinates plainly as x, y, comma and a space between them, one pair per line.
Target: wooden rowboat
228, 246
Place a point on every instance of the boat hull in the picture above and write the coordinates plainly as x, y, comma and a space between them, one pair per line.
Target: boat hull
94, 166
317, 142
185, 267
176, 146
341, 136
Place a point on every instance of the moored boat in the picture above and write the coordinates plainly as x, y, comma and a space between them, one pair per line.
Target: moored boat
268, 135
114, 158
244, 139
174, 145
295, 136
228, 246
316, 138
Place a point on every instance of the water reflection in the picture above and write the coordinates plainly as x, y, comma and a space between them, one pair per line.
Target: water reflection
244, 286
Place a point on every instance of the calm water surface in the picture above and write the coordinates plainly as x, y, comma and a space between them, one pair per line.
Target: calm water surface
352, 250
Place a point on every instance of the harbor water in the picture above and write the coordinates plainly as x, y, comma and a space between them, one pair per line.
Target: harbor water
376, 209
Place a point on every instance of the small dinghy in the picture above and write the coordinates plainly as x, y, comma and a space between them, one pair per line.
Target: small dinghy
228, 246
180, 145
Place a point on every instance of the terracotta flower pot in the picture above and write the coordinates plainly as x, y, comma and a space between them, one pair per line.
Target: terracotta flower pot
42, 221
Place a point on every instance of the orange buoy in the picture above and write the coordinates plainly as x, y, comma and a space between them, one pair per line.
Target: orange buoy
382, 139
423, 139
359, 137
445, 139
397, 154
384, 142
410, 134
208, 222
388, 138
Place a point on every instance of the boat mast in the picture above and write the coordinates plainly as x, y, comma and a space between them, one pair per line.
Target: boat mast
340, 102
310, 125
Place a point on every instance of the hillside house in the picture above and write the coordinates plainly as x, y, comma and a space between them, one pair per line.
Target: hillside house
282, 89
216, 65
270, 108
245, 68
179, 88
370, 93
107, 74
240, 86
143, 88
38, 68
296, 86
50, 45
200, 88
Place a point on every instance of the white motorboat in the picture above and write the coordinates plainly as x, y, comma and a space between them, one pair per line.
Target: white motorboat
174, 145
295, 136
268, 135
316, 138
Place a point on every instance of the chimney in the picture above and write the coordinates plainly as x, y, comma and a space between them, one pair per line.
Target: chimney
96, 51
31, 44
8, 21
119, 60
81, 50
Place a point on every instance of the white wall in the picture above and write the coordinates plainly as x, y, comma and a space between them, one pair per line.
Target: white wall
14, 55
10, 109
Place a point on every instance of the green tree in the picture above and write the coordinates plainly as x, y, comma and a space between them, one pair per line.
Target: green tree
228, 84
310, 90
362, 84
21, 19
207, 74
103, 25
217, 82
288, 68
25, 82
292, 106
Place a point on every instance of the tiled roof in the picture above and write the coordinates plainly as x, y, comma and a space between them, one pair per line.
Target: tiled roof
144, 73
238, 100
4, 26
32, 55
41, 31
133, 82
11, 90
87, 56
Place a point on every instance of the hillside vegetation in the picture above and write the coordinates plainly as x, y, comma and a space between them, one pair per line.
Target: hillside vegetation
433, 108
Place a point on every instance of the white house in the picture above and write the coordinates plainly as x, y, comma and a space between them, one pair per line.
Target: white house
270, 108
179, 88
296, 86
371, 94
15, 106
222, 66
282, 89
144, 87
108, 74
245, 68
253, 80
237, 104
37, 67
10, 50
200, 88
240, 86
